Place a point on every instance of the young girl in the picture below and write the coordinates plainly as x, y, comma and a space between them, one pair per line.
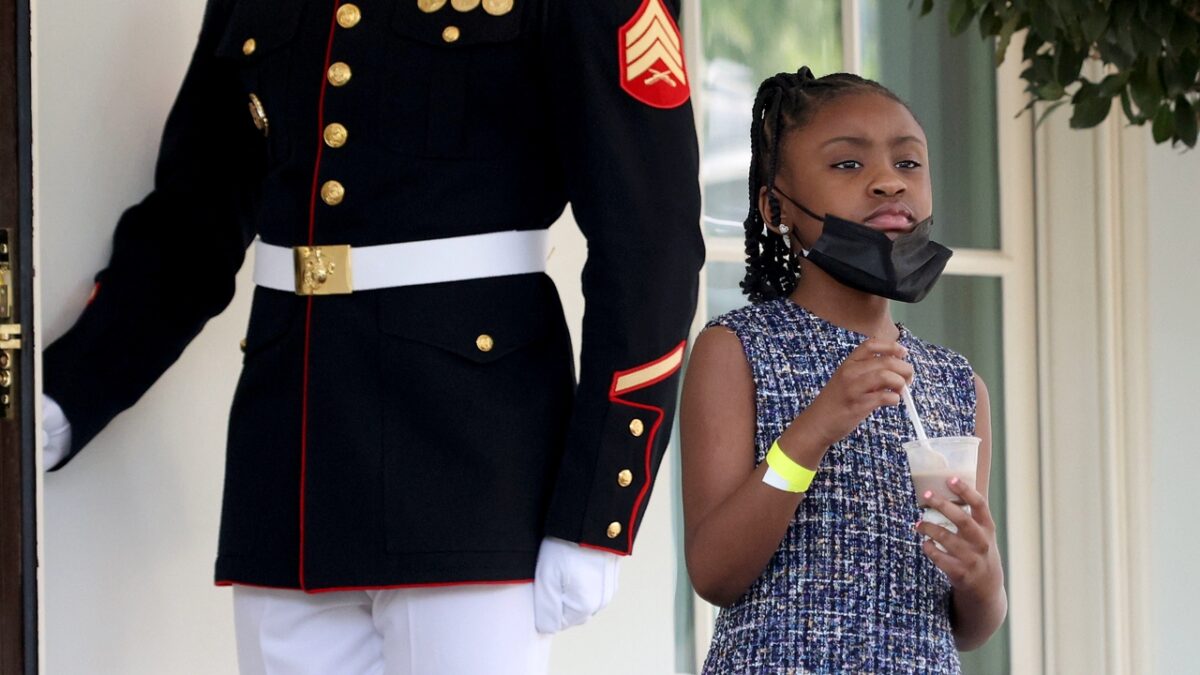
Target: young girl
833, 572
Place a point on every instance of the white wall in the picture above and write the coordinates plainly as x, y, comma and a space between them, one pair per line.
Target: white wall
1173, 201
130, 526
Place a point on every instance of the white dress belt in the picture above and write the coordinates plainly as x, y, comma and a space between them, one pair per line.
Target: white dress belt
430, 261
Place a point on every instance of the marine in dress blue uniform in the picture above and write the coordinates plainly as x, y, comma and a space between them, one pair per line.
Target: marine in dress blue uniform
427, 433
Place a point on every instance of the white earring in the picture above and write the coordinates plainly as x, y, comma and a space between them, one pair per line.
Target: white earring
783, 229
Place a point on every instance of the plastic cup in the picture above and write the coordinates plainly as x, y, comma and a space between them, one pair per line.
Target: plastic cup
951, 456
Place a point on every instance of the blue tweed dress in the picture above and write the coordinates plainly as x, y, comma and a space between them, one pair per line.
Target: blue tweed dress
849, 590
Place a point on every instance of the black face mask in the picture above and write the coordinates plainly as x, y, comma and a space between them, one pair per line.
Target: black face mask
868, 260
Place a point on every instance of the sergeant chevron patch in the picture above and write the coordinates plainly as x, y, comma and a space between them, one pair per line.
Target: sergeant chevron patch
652, 64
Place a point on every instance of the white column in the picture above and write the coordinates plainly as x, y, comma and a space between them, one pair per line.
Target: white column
1092, 343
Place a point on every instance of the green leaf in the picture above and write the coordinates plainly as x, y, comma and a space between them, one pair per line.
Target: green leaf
1124, 39
1112, 52
1189, 67
1043, 19
960, 15
1159, 17
989, 24
1123, 11
1173, 77
1007, 30
1127, 106
1164, 125
1184, 35
1046, 113
1033, 42
1145, 40
1114, 84
1067, 62
1185, 121
1151, 49
1094, 23
1090, 108
1029, 104
1051, 91
1043, 67
1145, 88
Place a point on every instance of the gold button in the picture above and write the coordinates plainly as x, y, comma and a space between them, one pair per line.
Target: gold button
485, 343
464, 5
636, 427
451, 34
332, 192
625, 478
259, 115
614, 530
429, 6
242, 344
348, 15
249, 46
497, 7
335, 135
339, 74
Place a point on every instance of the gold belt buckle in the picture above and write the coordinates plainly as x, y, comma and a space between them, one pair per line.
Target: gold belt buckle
323, 270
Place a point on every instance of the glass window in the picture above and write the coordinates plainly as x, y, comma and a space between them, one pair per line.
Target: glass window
950, 84
744, 44
965, 314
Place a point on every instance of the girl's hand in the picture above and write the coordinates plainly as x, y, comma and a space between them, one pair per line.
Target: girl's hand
971, 559
870, 378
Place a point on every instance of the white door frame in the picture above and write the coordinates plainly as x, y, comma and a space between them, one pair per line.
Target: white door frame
1094, 391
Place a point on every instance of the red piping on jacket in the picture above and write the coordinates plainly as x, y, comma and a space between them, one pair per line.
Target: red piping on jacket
312, 222
615, 397
339, 589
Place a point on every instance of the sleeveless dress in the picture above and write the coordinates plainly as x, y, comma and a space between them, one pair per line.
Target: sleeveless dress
849, 590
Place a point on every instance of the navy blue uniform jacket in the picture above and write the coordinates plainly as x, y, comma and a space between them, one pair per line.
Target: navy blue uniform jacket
372, 442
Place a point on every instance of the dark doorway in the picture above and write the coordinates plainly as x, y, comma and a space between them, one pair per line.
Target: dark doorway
18, 545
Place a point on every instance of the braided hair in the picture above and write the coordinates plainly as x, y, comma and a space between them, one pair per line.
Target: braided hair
784, 103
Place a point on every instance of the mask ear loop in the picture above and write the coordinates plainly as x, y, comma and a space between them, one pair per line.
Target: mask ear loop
795, 233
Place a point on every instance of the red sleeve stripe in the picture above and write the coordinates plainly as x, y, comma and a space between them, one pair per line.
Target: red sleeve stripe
651, 373
632, 380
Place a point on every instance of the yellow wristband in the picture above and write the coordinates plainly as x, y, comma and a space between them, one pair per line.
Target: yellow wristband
798, 478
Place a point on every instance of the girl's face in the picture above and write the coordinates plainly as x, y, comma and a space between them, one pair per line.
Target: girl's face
862, 157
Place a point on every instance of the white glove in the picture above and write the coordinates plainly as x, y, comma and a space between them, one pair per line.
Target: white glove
572, 584
58, 433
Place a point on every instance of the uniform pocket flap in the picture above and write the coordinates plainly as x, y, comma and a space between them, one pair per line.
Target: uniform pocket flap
481, 320
450, 28
258, 28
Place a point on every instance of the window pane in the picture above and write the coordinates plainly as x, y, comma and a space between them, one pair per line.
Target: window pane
950, 83
744, 43
966, 315
724, 292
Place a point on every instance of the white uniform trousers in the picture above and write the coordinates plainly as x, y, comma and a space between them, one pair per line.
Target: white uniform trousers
447, 630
